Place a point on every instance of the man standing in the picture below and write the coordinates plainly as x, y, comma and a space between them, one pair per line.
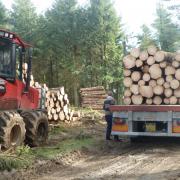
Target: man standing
108, 114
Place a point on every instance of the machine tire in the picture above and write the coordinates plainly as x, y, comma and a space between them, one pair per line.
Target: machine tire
12, 129
36, 124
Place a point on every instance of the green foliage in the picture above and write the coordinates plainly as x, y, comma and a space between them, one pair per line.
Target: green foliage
63, 147
82, 136
80, 46
24, 156
24, 19
3, 15
77, 46
167, 31
9, 163
21, 158
166, 26
22, 150
145, 39
174, 10
57, 130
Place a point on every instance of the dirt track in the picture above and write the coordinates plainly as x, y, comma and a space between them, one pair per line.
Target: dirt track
151, 159
124, 161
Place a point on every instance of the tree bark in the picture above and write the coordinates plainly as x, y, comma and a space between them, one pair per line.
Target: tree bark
137, 99
146, 91
143, 55
157, 100
135, 52
152, 50
129, 61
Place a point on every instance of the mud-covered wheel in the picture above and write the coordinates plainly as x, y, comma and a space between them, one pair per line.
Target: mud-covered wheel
36, 124
12, 129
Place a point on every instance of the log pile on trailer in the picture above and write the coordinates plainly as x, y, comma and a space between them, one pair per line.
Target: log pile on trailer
151, 77
93, 97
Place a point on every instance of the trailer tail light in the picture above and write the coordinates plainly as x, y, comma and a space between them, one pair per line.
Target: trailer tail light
176, 126
120, 124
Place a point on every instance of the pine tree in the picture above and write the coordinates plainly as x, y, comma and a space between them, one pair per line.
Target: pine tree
145, 39
64, 28
3, 15
24, 19
167, 31
104, 37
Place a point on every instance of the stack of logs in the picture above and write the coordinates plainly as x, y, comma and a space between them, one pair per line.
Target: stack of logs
151, 77
93, 97
57, 105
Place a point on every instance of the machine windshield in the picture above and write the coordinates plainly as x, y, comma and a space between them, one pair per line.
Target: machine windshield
5, 59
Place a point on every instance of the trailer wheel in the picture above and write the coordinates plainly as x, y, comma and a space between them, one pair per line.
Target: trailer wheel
12, 129
36, 127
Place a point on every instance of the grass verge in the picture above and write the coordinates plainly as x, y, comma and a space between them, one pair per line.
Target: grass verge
20, 158
63, 147
24, 156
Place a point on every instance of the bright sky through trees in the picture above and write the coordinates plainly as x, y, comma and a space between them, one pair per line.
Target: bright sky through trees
134, 13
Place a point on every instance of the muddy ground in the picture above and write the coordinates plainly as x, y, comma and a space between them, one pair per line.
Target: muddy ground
155, 158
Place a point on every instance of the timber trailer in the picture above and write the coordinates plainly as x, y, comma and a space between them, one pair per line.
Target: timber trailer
22, 117
146, 120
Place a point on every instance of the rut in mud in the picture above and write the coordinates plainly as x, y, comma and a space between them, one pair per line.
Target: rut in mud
155, 158
147, 160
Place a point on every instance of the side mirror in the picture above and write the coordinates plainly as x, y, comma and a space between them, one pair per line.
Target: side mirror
30, 51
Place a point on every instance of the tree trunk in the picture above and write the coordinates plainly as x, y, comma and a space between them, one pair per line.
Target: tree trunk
134, 89
127, 93
173, 100
150, 60
177, 74
127, 100
168, 92
129, 61
143, 55
174, 84
75, 56
137, 99
152, 50
157, 100
146, 91
155, 71
138, 63
141, 83
135, 52
127, 82
135, 76
158, 90
177, 57
169, 70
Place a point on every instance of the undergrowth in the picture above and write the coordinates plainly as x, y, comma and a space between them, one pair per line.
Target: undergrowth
63, 147
20, 158
24, 156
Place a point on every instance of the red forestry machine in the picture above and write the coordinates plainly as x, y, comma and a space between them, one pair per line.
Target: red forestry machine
22, 117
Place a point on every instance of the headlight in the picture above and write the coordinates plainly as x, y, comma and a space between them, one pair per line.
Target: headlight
11, 36
6, 35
